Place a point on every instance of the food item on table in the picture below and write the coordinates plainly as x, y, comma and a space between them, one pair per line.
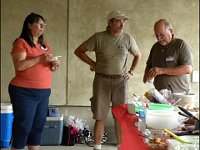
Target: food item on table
158, 140
148, 96
158, 144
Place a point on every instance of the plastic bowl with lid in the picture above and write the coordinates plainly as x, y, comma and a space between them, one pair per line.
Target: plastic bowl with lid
160, 119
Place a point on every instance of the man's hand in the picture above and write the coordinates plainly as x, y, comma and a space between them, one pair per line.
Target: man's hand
145, 78
92, 69
127, 75
153, 72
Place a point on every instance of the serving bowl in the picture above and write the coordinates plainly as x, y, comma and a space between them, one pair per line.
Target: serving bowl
187, 99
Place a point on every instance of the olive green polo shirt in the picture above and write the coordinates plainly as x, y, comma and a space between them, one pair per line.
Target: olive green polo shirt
176, 53
111, 51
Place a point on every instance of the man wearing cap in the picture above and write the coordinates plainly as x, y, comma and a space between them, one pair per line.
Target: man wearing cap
111, 48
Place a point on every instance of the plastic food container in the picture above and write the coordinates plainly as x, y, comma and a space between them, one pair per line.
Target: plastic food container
156, 106
158, 146
155, 133
160, 119
156, 139
131, 108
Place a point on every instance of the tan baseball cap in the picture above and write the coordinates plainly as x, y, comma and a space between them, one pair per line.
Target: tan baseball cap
117, 15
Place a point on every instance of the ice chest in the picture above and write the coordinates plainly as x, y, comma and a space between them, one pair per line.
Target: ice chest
6, 124
53, 130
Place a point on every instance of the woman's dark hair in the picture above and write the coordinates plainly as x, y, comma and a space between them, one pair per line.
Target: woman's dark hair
26, 32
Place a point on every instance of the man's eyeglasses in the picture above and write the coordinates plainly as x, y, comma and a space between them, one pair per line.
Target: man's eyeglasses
160, 35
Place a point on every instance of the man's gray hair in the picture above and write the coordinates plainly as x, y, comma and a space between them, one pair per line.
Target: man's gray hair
167, 24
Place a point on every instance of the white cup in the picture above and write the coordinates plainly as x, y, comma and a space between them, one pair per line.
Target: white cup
131, 108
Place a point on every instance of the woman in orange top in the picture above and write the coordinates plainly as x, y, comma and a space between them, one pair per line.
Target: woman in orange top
30, 89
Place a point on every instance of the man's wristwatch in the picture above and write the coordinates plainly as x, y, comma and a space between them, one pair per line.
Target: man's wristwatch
131, 72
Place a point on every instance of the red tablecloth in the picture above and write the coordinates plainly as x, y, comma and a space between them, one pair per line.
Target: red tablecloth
130, 138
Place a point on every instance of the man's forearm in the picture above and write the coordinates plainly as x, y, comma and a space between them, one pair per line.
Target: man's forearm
84, 57
180, 70
135, 62
81, 53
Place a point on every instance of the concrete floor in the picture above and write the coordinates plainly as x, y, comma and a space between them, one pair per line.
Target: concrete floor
105, 146
75, 147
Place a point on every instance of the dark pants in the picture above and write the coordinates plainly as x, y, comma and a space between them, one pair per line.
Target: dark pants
30, 108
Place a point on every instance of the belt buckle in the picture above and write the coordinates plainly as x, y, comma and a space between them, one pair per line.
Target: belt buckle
113, 76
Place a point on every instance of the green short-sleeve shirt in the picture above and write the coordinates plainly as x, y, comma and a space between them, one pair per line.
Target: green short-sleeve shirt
111, 51
177, 53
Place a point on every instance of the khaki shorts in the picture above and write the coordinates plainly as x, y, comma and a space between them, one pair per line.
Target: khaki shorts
105, 92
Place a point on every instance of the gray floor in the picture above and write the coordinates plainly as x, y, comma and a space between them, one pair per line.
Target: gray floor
75, 147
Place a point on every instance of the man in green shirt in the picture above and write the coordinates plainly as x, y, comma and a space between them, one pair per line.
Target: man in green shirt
111, 48
170, 60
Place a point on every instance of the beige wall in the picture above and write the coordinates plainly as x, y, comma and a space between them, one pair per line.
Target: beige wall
70, 22
12, 18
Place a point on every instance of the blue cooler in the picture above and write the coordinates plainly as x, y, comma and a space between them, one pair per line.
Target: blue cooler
6, 124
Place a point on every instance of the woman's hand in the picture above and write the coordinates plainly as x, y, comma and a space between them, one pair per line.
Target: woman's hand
55, 64
44, 58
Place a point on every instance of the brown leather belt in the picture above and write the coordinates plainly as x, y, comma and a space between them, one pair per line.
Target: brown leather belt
109, 76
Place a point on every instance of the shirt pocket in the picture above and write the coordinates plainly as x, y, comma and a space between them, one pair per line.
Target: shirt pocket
171, 61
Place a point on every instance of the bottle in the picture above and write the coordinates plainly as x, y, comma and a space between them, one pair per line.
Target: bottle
158, 96
142, 121
148, 94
